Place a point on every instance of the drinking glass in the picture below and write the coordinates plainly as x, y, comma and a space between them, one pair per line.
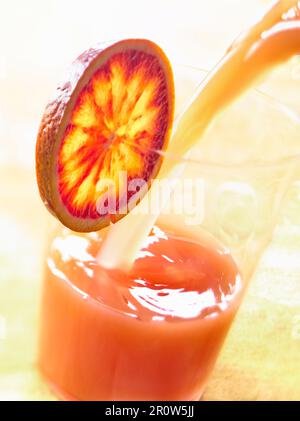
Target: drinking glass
227, 197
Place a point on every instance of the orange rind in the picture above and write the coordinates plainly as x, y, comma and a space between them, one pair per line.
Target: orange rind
111, 118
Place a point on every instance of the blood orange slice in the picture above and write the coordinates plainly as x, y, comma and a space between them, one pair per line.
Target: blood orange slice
112, 117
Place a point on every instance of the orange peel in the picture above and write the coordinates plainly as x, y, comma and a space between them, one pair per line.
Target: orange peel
114, 114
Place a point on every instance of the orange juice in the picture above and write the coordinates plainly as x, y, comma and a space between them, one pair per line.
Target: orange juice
151, 334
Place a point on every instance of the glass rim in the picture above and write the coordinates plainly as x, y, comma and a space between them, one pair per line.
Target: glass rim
236, 166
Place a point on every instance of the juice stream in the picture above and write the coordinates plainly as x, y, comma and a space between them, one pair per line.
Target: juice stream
270, 42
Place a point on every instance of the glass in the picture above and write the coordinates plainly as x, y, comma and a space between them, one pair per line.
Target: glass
235, 180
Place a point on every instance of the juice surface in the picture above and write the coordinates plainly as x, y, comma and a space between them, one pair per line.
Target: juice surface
152, 334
